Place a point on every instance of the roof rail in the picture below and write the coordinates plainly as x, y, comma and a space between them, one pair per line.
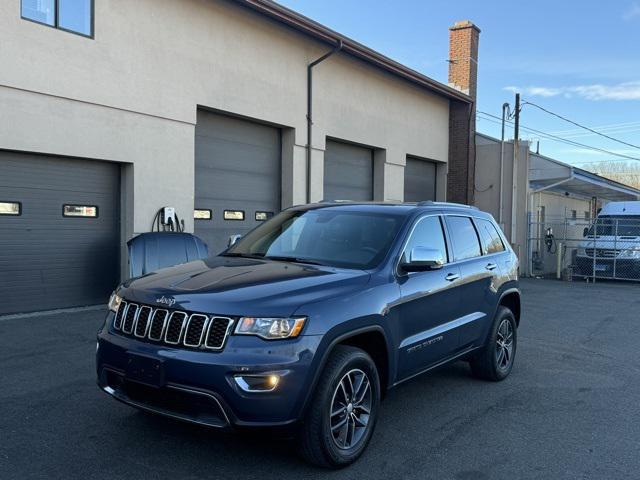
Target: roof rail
336, 201
430, 203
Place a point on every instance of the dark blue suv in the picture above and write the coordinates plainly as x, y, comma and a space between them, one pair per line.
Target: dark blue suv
311, 317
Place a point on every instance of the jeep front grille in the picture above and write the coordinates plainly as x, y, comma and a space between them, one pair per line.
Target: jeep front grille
175, 327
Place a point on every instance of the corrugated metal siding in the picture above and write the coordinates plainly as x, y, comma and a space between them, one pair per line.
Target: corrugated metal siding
238, 167
419, 180
49, 261
348, 172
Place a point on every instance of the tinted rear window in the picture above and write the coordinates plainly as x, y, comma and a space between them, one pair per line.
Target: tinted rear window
491, 241
463, 238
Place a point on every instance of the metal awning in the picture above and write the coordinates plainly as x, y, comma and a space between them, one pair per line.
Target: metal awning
549, 175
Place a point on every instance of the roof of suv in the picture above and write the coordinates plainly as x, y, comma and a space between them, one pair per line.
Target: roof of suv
399, 207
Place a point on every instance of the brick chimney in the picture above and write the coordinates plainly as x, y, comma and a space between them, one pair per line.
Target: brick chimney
463, 57
463, 75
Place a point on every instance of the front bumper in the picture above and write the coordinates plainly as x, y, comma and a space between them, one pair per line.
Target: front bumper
608, 267
199, 386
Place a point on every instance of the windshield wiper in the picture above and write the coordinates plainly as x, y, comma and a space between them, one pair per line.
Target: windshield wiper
284, 258
242, 255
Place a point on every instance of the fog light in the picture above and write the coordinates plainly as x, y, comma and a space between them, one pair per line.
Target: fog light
257, 383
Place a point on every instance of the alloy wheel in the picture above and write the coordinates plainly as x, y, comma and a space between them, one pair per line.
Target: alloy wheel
351, 409
504, 344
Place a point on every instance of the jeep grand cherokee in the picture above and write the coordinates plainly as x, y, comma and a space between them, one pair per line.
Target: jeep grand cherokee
311, 317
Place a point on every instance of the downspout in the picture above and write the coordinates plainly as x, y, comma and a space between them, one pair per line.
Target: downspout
310, 110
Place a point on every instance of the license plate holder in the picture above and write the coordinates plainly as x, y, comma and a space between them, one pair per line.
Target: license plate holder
601, 268
144, 369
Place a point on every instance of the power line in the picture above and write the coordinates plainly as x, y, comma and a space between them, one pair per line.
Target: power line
581, 126
550, 136
625, 127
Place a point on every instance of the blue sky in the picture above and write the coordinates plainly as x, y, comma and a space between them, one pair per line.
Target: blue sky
580, 59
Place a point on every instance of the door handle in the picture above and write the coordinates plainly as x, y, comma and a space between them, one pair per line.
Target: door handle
452, 277
491, 266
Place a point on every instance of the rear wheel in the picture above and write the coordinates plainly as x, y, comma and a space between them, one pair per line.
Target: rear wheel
343, 412
495, 360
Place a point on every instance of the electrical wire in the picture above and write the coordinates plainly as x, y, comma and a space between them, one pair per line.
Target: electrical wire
579, 125
550, 136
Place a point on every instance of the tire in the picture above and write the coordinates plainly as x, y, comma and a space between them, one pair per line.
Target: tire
328, 447
491, 363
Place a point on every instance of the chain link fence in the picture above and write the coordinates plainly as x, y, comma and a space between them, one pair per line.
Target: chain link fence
579, 248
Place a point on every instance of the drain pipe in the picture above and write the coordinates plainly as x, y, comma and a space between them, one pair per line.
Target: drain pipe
310, 110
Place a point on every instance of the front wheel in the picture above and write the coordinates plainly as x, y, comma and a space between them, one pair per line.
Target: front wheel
495, 360
344, 409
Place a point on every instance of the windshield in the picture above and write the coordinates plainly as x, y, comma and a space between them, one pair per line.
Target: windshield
617, 225
325, 236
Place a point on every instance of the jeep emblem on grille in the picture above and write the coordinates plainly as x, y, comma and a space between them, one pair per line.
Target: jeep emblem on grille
168, 301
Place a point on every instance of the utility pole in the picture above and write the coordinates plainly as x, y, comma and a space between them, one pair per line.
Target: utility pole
516, 149
505, 109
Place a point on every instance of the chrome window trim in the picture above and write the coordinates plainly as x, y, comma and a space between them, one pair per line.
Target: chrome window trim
177, 342
226, 333
205, 328
123, 305
134, 321
164, 324
146, 328
451, 261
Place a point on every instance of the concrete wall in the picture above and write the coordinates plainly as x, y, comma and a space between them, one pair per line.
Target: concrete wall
131, 94
487, 188
558, 206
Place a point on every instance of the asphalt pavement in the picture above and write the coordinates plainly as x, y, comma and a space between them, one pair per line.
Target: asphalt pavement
569, 410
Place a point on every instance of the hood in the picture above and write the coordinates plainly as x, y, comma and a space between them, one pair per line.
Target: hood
611, 242
240, 286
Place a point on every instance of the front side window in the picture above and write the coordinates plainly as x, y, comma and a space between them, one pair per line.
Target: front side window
427, 234
70, 15
463, 237
491, 241
327, 236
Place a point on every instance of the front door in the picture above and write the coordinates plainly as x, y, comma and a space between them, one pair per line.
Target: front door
428, 304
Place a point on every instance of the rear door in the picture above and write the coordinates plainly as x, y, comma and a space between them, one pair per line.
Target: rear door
427, 305
477, 273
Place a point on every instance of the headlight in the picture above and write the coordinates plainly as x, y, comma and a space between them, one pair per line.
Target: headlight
270, 328
633, 252
114, 302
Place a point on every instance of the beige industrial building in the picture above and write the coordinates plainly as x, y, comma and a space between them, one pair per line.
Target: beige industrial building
202, 105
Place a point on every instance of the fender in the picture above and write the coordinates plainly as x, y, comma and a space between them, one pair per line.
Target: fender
327, 351
506, 292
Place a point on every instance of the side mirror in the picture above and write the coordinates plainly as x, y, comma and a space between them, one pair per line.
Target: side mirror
585, 232
233, 239
421, 259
